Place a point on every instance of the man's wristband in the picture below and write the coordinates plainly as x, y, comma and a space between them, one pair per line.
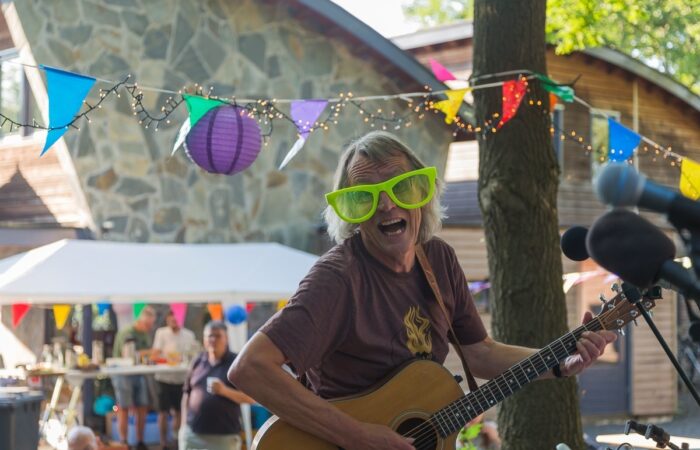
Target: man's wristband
556, 370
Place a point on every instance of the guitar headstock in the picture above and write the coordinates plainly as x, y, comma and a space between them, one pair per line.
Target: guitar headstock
621, 309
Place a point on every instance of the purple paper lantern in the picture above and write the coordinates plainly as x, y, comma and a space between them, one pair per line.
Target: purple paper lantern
225, 140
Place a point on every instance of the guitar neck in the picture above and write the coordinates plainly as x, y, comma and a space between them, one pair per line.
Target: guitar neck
454, 416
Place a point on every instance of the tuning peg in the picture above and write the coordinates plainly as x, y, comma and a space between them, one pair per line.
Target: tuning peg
621, 331
602, 298
635, 322
615, 288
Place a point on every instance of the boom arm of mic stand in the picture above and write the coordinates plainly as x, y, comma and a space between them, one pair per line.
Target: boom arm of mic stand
633, 295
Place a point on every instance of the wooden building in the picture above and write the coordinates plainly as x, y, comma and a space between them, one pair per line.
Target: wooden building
635, 377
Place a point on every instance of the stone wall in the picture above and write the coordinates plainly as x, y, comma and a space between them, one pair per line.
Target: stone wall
245, 48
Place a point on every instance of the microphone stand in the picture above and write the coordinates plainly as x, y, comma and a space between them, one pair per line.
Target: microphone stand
633, 296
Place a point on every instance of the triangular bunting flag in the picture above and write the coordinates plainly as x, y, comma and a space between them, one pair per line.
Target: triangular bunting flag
565, 93
621, 141
215, 311
181, 135
102, 307
690, 179
304, 114
552, 102
138, 307
60, 315
19, 310
513, 93
66, 90
440, 72
450, 107
180, 312
199, 106
292, 152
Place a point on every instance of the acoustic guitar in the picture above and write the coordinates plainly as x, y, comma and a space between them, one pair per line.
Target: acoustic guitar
422, 400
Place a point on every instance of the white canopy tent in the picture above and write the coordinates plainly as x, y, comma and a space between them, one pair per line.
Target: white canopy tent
83, 271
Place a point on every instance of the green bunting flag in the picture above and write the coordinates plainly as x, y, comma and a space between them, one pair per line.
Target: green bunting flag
199, 106
565, 93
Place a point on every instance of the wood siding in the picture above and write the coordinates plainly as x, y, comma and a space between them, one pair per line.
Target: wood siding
653, 379
35, 191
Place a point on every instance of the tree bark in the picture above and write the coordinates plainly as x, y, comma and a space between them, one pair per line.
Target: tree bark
518, 182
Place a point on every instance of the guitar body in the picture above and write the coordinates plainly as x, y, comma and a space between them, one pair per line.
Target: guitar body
404, 401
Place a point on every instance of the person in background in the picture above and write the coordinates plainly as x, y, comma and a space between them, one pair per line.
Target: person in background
82, 438
210, 402
132, 391
170, 342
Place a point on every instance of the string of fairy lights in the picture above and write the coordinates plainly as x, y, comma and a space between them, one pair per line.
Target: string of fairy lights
268, 111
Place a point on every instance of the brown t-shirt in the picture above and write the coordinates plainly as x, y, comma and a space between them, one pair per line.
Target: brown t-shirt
353, 320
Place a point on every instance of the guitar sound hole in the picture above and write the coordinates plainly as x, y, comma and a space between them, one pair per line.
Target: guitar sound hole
424, 435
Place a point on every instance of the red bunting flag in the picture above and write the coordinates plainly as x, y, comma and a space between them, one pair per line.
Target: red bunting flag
19, 310
513, 93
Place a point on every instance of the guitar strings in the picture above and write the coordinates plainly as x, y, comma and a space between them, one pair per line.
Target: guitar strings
427, 430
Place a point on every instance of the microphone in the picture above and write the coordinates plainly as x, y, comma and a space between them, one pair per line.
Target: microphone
638, 252
573, 243
621, 185
562, 446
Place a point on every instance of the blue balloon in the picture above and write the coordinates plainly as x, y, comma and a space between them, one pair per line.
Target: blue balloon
103, 404
236, 314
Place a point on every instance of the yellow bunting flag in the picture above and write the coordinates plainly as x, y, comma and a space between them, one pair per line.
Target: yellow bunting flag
281, 304
215, 311
450, 107
690, 179
60, 315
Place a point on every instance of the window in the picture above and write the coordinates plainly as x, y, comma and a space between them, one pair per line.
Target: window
558, 127
462, 162
16, 101
599, 138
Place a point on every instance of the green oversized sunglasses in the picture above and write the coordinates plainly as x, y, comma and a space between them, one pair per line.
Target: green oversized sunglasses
410, 190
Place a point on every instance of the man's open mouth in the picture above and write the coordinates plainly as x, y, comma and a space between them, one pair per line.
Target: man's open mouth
393, 226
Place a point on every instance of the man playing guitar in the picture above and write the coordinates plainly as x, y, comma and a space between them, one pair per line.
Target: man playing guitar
366, 308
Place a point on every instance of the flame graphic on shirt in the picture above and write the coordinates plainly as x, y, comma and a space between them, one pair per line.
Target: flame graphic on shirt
418, 333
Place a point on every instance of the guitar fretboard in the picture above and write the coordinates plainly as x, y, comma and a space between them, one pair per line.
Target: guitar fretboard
454, 416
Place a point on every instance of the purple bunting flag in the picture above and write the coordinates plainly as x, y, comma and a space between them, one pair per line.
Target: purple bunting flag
304, 114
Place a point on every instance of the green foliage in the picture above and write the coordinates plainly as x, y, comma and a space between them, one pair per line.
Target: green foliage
664, 34
465, 439
436, 12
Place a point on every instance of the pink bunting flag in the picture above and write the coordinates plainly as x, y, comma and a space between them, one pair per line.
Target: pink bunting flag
440, 72
513, 93
179, 311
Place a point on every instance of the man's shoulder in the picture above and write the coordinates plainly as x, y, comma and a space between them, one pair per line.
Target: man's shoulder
438, 247
189, 334
339, 259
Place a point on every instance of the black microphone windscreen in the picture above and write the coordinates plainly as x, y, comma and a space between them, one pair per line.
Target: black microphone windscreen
629, 246
573, 243
619, 184
694, 331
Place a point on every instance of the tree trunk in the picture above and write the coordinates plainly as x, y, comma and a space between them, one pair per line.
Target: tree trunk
518, 181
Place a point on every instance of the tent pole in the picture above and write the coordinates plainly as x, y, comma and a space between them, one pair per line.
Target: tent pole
88, 384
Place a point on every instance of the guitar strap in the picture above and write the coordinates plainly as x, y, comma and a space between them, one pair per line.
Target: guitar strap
428, 270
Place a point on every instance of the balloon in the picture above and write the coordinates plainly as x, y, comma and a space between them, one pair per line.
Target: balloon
236, 314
